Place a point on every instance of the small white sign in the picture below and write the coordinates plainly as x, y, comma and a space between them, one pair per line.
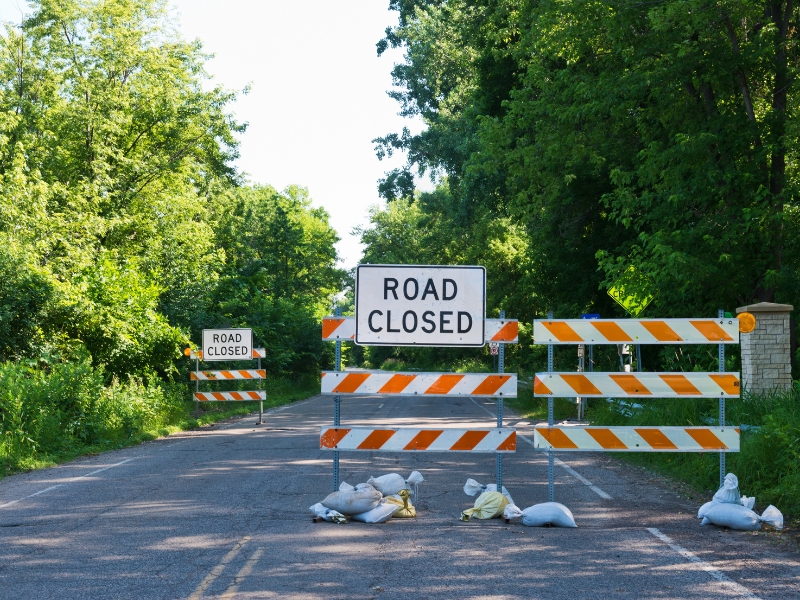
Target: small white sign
420, 305
227, 344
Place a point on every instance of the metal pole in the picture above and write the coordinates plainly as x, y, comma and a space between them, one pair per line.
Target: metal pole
639, 357
581, 368
196, 388
501, 364
337, 408
551, 492
260, 401
721, 358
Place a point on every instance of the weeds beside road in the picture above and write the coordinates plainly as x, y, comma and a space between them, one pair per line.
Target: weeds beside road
50, 415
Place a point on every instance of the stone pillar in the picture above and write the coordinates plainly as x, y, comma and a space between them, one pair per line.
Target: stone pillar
766, 352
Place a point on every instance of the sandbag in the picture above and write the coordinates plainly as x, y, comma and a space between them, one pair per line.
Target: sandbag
393, 482
327, 514
702, 510
346, 487
512, 511
733, 516
729, 492
487, 506
388, 484
353, 502
548, 513
472, 487
380, 514
403, 507
772, 516
749, 502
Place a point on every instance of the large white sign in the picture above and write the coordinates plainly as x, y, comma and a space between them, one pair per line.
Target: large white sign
227, 344
420, 305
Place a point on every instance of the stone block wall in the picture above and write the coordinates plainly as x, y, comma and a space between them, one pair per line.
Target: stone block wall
766, 351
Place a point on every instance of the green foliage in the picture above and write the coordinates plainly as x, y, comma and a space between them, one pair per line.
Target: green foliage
56, 409
768, 465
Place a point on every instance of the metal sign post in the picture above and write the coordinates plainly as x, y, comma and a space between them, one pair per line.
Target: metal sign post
337, 407
501, 353
721, 366
551, 486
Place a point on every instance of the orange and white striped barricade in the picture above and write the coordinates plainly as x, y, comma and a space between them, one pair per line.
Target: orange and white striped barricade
228, 375
504, 331
250, 396
631, 385
637, 439
636, 331
409, 439
343, 383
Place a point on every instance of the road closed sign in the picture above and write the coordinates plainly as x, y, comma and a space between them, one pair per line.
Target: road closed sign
227, 344
420, 305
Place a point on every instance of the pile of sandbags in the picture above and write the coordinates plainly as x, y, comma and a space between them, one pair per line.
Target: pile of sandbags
376, 501
728, 508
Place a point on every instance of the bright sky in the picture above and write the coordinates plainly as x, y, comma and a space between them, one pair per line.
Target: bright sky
318, 94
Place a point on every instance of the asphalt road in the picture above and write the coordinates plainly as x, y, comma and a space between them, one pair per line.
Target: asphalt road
223, 513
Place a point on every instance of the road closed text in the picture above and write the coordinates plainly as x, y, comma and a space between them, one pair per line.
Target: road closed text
227, 344
426, 306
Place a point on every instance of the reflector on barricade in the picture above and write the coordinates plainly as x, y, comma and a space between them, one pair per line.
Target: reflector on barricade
257, 353
419, 384
505, 331
629, 385
636, 331
637, 439
224, 375
230, 396
402, 439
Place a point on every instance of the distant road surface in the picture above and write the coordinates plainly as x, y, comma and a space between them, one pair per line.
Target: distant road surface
223, 513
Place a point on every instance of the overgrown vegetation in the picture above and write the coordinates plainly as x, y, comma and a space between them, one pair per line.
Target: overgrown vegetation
63, 409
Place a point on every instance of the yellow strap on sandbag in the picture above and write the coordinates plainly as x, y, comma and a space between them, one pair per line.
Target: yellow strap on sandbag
487, 506
404, 509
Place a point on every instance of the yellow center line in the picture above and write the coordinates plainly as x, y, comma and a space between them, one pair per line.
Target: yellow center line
217, 571
243, 572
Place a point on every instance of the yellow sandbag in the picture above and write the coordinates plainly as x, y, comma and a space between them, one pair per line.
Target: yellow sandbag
487, 506
404, 507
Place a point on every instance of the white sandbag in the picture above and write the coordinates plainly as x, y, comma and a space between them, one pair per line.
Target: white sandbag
353, 502
388, 484
512, 511
345, 487
548, 513
729, 492
733, 516
380, 514
472, 487
749, 502
772, 516
392, 483
327, 514
702, 511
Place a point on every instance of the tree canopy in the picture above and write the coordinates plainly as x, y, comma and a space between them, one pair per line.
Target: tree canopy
658, 135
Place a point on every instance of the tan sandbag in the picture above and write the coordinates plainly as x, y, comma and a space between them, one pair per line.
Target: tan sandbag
488, 506
404, 508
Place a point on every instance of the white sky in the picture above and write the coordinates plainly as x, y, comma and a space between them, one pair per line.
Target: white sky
318, 94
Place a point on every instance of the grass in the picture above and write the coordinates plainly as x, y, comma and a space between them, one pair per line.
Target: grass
51, 416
